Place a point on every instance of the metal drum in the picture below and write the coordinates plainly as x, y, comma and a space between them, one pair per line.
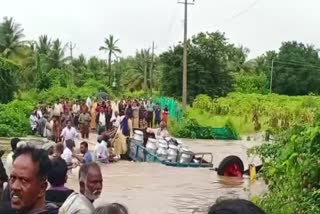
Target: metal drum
151, 145
138, 136
162, 151
152, 149
185, 155
172, 153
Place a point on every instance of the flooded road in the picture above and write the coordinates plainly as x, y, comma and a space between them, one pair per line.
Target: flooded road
147, 188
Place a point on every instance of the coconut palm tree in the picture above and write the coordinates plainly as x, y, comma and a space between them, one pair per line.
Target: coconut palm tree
44, 45
112, 49
136, 70
57, 58
11, 35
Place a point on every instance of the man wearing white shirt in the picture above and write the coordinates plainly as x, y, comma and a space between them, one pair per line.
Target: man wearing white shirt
69, 132
68, 152
89, 103
58, 109
101, 151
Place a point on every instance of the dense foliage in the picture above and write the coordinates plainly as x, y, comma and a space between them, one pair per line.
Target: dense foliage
190, 128
209, 67
264, 112
8, 77
297, 69
14, 118
291, 170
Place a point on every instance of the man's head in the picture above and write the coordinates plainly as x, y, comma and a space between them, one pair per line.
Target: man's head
85, 109
28, 178
235, 206
83, 147
70, 144
58, 150
90, 180
14, 142
57, 176
69, 124
49, 147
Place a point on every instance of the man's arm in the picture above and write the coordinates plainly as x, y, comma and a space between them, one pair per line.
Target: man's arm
62, 133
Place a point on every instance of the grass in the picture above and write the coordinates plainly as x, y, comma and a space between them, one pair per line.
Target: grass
243, 125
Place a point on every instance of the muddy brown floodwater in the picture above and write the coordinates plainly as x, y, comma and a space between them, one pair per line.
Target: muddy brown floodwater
150, 188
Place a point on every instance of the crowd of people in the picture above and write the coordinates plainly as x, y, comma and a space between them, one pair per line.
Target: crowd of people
32, 180
112, 122
49, 120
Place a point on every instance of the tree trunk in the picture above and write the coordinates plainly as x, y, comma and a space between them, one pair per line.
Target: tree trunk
109, 67
145, 76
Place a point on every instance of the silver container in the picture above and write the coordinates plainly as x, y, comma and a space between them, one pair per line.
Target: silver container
151, 145
162, 151
163, 143
185, 156
138, 136
172, 153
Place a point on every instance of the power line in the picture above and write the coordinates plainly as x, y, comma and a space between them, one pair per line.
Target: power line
244, 11
295, 63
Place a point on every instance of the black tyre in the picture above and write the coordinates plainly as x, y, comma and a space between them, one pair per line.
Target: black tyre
228, 161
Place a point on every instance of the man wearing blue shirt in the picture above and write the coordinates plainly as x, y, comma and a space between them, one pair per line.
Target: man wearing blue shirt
87, 158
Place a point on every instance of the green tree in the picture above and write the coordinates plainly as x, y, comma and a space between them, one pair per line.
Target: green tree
112, 49
8, 80
296, 69
11, 35
44, 45
56, 56
208, 72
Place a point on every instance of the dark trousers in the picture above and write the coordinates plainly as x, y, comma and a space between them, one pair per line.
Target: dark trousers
149, 118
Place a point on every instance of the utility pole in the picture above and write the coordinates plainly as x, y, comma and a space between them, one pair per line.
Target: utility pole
151, 67
71, 48
185, 52
271, 75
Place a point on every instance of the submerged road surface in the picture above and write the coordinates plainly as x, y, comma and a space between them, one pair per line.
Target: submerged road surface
147, 188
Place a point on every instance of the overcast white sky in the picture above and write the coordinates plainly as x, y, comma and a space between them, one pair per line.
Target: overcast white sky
137, 23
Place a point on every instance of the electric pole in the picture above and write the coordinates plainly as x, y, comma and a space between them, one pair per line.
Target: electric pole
185, 52
271, 75
71, 48
151, 67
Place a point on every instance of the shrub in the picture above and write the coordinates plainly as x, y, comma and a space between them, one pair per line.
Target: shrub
291, 170
14, 118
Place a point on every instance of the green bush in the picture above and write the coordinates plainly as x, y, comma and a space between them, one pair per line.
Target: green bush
292, 172
190, 128
8, 80
273, 112
14, 118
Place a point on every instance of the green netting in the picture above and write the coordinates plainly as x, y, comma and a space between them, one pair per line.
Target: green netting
174, 108
175, 111
223, 134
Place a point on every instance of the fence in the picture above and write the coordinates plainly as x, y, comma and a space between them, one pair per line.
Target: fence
175, 110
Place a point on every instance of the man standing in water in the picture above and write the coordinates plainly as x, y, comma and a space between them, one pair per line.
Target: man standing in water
90, 180
28, 181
